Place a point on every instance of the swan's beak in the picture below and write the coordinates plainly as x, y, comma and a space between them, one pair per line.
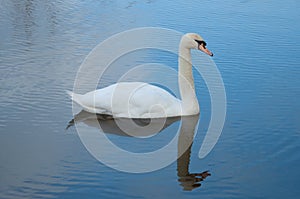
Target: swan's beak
205, 50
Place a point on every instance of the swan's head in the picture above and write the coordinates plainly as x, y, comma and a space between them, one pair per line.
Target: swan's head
195, 41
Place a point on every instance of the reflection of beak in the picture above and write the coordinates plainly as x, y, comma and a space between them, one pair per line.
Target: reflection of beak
205, 50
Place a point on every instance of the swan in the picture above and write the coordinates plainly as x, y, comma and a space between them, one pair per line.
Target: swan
143, 100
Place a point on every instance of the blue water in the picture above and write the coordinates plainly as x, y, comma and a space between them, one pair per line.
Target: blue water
256, 46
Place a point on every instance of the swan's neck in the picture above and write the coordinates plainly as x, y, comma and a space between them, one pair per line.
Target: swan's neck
189, 102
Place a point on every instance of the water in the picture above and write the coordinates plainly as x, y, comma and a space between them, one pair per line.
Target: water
256, 47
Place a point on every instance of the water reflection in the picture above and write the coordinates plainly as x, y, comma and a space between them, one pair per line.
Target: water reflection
188, 181
123, 126
107, 124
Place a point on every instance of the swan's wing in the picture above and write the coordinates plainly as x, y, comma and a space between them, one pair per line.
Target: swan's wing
154, 101
99, 101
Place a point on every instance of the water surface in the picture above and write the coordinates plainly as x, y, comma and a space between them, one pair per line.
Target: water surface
256, 47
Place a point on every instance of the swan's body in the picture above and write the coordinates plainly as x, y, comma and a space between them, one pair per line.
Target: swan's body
143, 100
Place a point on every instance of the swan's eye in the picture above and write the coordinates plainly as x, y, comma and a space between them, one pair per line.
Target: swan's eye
201, 42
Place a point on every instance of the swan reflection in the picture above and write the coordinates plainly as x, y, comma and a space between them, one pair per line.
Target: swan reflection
150, 127
123, 126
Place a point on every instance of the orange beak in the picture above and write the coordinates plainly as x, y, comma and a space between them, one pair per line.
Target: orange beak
205, 50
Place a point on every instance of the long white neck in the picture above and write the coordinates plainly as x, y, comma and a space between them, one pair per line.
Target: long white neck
189, 101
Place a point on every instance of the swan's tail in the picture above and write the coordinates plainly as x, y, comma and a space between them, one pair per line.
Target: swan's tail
75, 97
70, 93
82, 101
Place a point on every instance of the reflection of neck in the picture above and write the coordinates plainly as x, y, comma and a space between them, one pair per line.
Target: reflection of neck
185, 141
188, 181
183, 163
186, 82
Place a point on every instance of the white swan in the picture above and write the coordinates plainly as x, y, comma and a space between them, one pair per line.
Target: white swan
143, 100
